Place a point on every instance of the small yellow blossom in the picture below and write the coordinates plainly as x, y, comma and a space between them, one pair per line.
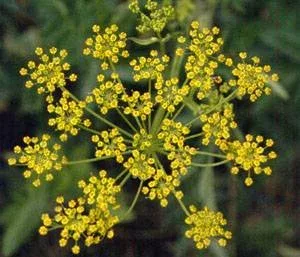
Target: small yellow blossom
49, 74
106, 45
217, 125
138, 105
110, 143
156, 21
205, 225
140, 165
107, 96
90, 216
170, 95
161, 186
251, 79
151, 67
39, 159
249, 156
68, 116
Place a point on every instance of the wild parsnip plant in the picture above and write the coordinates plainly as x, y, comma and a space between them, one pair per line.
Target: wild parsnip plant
152, 144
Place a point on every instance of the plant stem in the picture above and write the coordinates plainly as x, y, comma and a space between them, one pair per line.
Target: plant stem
88, 129
125, 179
92, 159
135, 198
214, 164
121, 174
126, 120
159, 115
178, 112
185, 210
98, 116
211, 154
194, 136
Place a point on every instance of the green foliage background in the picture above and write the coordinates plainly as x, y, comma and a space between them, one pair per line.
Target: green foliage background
262, 218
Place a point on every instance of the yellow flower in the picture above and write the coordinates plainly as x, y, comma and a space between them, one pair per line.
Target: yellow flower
161, 186
106, 44
137, 104
252, 79
155, 147
68, 116
217, 125
89, 217
249, 155
156, 21
170, 95
107, 95
110, 144
205, 225
151, 67
200, 67
140, 165
49, 74
39, 158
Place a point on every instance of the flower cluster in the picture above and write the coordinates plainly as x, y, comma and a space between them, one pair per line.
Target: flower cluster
107, 94
68, 115
170, 95
249, 156
137, 104
89, 217
204, 225
158, 16
109, 144
200, 66
151, 67
107, 45
217, 125
39, 159
251, 79
148, 134
50, 73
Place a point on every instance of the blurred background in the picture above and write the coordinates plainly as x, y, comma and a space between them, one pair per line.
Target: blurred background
263, 218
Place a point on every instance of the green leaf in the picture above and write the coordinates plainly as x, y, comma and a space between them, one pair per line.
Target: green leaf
279, 90
21, 219
206, 187
288, 251
144, 41
282, 42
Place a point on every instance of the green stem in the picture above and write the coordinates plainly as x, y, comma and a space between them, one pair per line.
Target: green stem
126, 120
178, 112
121, 174
88, 160
159, 115
149, 116
226, 99
92, 159
135, 198
98, 116
138, 122
177, 61
56, 226
214, 164
211, 154
113, 68
161, 44
125, 180
194, 136
182, 206
165, 117
88, 129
